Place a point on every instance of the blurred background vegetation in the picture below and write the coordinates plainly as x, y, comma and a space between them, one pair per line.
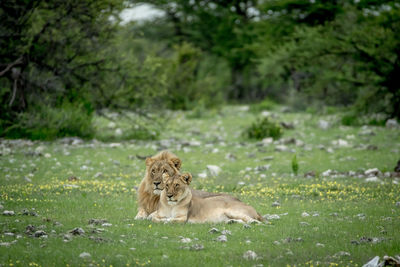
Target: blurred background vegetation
63, 62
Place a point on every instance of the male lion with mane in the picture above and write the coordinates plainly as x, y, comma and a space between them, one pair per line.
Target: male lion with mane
152, 184
178, 204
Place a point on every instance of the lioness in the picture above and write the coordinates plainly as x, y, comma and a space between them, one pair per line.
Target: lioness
178, 204
152, 184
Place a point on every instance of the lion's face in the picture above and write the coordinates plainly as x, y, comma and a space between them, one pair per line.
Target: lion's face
155, 172
176, 186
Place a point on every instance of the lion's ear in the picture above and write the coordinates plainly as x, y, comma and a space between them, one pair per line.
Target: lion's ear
186, 178
149, 161
177, 163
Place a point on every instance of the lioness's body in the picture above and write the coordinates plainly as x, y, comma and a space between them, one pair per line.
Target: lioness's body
178, 204
151, 186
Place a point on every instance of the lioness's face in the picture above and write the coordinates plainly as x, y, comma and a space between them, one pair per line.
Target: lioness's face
175, 186
156, 170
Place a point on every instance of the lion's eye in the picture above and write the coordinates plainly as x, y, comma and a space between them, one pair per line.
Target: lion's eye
177, 185
165, 171
167, 186
153, 171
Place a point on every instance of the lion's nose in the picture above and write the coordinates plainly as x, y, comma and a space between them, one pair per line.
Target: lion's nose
169, 195
157, 183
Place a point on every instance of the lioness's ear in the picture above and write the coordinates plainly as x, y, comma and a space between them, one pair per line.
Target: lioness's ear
165, 177
149, 161
177, 163
186, 178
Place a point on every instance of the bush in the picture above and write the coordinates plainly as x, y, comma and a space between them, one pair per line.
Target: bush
48, 123
266, 104
264, 128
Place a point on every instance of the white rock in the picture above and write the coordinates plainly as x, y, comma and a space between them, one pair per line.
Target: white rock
324, 125
106, 224
372, 172
372, 263
222, 238
8, 213
118, 132
202, 175
281, 148
265, 114
47, 155
392, 124
267, 141
214, 170
250, 255
373, 179
320, 245
327, 173
305, 214
186, 240
84, 255
340, 143
111, 125
272, 217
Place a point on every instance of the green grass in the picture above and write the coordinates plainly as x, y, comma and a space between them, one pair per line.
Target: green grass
62, 205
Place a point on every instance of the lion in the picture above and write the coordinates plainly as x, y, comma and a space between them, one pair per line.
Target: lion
178, 204
152, 184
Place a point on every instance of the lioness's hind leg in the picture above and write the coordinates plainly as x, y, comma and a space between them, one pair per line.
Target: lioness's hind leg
238, 216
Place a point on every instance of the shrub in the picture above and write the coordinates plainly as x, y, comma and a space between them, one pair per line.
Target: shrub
295, 165
266, 104
264, 128
48, 123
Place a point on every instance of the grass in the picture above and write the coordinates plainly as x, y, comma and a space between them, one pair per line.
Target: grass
62, 203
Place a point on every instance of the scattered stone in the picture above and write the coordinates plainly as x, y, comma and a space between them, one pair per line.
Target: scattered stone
8, 234
133, 249
277, 243
323, 124
77, 231
281, 148
196, 247
213, 231
267, 141
373, 263
263, 167
340, 143
30, 229
73, 179
372, 172
222, 238
320, 245
246, 226
305, 214
373, 179
1, 207
342, 254
250, 255
290, 239
275, 204
267, 158
230, 157
40, 233
271, 217
84, 255
186, 240
287, 125
226, 232
8, 213
327, 173
106, 224
213, 170
391, 261
98, 175
304, 223
97, 221
398, 204
309, 174
7, 244
392, 124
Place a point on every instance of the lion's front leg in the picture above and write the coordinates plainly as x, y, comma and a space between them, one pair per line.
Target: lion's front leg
155, 217
141, 215
180, 219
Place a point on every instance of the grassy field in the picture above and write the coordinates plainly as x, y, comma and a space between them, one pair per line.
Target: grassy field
341, 217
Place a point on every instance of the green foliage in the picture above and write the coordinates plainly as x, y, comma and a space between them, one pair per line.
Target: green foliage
266, 104
355, 119
263, 128
295, 165
46, 123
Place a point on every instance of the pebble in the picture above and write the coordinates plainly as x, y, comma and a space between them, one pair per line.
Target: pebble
320, 245
77, 231
84, 255
186, 240
8, 213
214, 170
275, 204
250, 255
305, 214
40, 233
213, 231
226, 232
222, 238
271, 216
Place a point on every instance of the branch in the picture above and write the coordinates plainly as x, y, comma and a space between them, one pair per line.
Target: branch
11, 65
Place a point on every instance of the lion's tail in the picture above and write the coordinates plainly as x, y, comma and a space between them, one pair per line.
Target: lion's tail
260, 218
